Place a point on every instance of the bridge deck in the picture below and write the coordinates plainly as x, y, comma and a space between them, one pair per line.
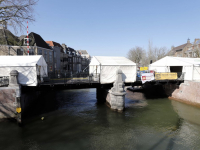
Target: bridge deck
87, 81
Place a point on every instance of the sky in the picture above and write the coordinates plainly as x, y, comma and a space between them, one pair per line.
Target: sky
113, 27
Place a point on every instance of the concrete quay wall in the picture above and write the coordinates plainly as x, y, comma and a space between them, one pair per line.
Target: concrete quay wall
32, 102
188, 92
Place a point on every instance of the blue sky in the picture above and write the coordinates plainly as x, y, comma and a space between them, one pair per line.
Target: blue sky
113, 27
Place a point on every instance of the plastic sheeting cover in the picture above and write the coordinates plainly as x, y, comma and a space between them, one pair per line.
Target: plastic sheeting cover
114, 61
108, 74
190, 66
107, 67
176, 61
26, 66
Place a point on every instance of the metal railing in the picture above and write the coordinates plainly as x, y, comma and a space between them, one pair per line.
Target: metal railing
70, 77
4, 81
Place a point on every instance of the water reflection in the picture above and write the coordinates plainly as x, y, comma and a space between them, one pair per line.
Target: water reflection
187, 112
79, 122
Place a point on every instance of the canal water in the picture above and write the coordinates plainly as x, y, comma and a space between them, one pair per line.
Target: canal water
79, 122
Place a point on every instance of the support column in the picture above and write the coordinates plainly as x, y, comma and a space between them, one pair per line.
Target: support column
101, 94
13, 82
117, 93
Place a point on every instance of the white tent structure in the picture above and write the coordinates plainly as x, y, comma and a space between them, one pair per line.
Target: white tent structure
27, 66
107, 66
190, 66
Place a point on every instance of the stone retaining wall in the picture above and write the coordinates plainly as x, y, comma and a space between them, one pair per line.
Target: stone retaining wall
8, 102
188, 92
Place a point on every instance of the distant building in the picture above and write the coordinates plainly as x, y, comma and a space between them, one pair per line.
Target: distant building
65, 59
194, 49
60, 57
86, 58
84, 53
181, 50
72, 59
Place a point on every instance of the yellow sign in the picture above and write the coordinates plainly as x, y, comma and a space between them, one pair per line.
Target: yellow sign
18, 109
165, 76
143, 68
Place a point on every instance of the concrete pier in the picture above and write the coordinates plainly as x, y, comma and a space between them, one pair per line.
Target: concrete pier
115, 97
117, 93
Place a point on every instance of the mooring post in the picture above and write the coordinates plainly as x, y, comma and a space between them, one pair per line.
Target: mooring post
117, 93
13, 82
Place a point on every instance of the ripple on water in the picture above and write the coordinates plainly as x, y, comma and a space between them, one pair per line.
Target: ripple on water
81, 123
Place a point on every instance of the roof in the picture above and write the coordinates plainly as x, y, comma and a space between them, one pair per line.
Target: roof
39, 40
70, 49
176, 61
10, 40
52, 44
111, 61
22, 37
36, 40
6, 61
179, 47
83, 51
195, 61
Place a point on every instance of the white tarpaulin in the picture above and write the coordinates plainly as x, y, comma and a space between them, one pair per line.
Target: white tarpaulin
190, 66
27, 66
107, 66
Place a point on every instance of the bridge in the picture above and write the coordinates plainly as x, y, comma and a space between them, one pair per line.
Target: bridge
109, 78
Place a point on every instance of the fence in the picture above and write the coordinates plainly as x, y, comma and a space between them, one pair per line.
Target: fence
4, 81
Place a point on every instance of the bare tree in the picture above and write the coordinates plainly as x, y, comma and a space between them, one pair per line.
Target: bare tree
135, 54
160, 52
143, 57
155, 53
15, 13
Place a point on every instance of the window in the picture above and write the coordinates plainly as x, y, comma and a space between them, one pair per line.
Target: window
45, 56
31, 52
19, 51
50, 56
54, 54
39, 52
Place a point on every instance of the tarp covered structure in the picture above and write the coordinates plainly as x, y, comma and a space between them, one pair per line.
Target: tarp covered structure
189, 66
107, 66
27, 66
